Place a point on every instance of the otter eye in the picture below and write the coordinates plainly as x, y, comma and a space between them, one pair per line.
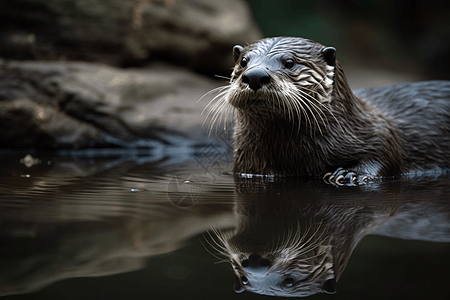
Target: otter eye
289, 282
244, 280
244, 62
289, 63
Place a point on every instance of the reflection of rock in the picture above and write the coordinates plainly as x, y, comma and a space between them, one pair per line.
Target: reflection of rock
76, 105
294, 237
56, 224
427, 219
196, 33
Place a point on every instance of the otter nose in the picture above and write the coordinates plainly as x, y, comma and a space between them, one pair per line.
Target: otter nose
255, 264
255, 78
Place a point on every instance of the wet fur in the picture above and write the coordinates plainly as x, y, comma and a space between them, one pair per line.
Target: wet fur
309, 238
421, 113
307, 121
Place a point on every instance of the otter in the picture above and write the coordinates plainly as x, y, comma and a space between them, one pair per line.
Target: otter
295, 114
293, 237
289, 245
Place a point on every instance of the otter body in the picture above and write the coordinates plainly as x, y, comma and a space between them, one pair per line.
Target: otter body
421, 114
296, 115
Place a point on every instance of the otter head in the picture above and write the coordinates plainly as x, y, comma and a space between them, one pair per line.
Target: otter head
292, 258
288, 278
283, 74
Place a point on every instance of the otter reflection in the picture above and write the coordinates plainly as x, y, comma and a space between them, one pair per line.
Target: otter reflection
294, 238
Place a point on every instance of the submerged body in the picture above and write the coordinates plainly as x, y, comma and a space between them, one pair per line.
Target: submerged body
296, 115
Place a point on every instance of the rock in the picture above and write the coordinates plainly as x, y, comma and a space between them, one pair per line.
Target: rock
196, 33
27, 124
56, 105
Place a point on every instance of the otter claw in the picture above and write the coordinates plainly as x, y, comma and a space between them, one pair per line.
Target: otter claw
326, 176
341, 177
339, 180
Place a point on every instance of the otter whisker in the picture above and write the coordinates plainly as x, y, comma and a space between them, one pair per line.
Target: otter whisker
302, 89
303, 250
310, 238
299, 98
222, 77
327, 109
217, 115
309, 248
287, 106
221, 239
320, 82
221, 249
316, 108
212, 254
218, 98
292, 118
228, 110
217, 110
221, 261
299, 111
214, 90
309, 90
213, 110
222, 119
282, 105
288, 243
298, 105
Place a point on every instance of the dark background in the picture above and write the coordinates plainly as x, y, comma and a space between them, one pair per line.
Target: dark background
399, 35
405, 36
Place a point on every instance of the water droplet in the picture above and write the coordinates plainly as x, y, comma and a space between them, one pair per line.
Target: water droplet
26, 175
134, 190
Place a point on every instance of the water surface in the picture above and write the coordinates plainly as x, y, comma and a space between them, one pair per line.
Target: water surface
121, 225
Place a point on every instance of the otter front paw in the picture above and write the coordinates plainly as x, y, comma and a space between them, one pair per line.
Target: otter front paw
342, 177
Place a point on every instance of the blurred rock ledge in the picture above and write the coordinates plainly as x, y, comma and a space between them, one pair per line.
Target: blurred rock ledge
195, 33
55, 105
48, 102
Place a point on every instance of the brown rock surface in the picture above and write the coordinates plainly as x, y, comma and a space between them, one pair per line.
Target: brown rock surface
77, 105
195, 33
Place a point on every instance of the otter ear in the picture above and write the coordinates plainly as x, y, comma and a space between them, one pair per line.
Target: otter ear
237, 50
329, 54
238, 288
329, 287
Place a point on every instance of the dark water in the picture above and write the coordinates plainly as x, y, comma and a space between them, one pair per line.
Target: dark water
138, 225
